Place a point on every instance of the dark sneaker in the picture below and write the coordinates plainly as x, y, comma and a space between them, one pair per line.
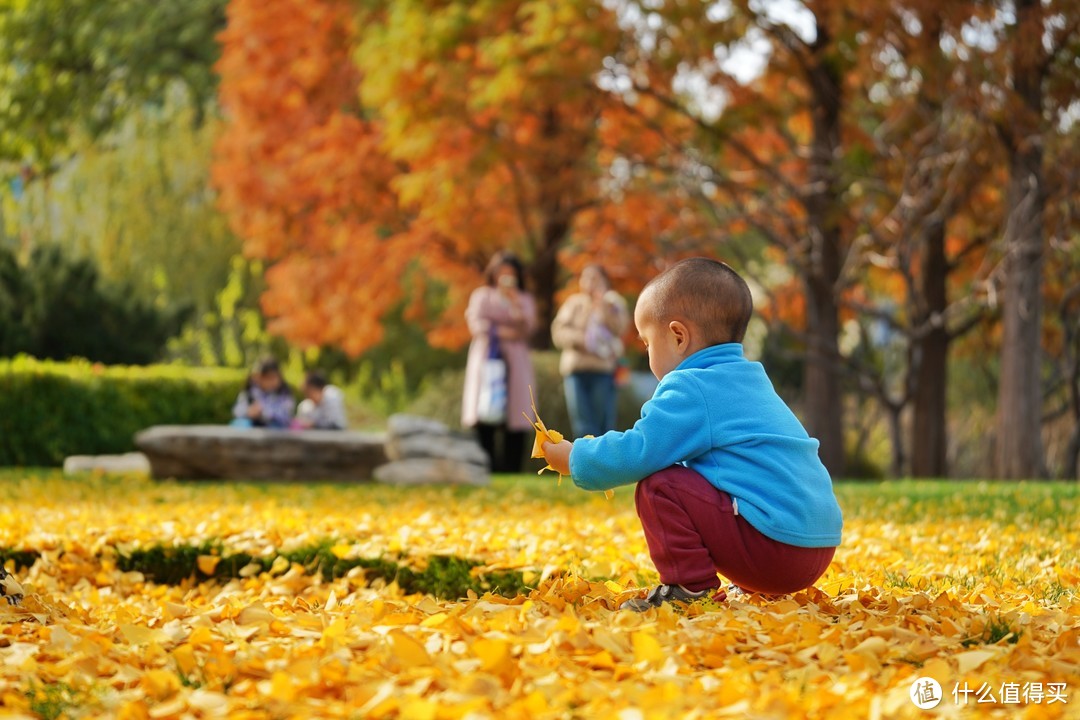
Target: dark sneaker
10, 590
665, 593
734, 592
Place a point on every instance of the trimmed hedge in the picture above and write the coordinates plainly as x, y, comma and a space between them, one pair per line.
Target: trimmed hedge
49, 410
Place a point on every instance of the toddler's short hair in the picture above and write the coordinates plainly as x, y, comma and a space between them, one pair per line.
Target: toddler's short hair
707, 293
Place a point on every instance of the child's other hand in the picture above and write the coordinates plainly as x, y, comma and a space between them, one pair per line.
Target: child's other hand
558, 456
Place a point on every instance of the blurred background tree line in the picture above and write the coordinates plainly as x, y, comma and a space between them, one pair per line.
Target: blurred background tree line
201, 181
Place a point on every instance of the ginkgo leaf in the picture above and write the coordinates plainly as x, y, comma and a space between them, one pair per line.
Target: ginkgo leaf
208, 563
160, 684
408, 651
184, 655
282, 687
543, 435
494, 654
972, 660
647, 648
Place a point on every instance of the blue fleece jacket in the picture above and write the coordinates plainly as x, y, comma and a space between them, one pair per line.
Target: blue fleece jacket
718, 414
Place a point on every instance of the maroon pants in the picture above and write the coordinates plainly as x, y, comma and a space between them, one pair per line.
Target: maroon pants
693, 533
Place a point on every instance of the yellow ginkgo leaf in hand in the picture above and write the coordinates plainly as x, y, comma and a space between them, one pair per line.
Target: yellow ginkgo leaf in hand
543, 435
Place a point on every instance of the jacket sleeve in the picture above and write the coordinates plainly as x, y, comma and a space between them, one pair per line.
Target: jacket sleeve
240, 407
476, 314
618, 316
674, 428
335, 410
566, 332
528, 312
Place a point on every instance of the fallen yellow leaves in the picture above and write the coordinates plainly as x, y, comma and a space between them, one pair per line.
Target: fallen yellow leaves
966, 601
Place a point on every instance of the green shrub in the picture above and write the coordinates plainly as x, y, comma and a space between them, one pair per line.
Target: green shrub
55, 306
49, 410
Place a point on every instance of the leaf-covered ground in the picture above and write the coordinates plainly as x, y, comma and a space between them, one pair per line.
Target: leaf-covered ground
974, 585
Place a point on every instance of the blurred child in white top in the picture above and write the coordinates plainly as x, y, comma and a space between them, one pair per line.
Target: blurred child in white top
323, 406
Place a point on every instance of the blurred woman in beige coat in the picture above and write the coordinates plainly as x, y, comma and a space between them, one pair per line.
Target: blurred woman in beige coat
588, 329
501, 317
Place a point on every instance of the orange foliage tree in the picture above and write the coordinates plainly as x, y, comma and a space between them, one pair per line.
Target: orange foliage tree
1018, 80
930, 209
363, 141
302, 176
795, 153
1032, 69
772, 153
493, 112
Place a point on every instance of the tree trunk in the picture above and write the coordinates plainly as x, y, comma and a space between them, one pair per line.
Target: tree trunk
1070, 321
545, 277
555, 204
894, 414
1072, 451
1019, 436
1019, 426
821, 377
822, 387
929, 360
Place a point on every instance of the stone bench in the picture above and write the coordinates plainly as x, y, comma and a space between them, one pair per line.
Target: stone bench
414, 451
225, 452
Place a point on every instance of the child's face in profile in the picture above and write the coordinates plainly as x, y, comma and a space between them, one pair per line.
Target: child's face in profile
661, 341
314, 394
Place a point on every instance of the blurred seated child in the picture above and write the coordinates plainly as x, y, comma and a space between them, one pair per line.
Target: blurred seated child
323, 406
267, 400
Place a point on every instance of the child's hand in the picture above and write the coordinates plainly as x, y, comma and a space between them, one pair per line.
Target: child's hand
558, 456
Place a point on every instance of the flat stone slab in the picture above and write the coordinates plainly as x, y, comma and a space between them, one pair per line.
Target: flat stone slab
128, 463
432, 471
231, 453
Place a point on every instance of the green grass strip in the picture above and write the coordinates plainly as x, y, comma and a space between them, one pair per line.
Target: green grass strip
445, 576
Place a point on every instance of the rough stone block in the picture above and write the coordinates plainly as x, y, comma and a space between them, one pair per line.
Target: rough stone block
424, 471
220, 451
436, 446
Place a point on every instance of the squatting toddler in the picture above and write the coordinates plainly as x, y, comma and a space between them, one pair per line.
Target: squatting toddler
728, 480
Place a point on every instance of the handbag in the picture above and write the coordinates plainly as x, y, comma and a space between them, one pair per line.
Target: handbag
491, 408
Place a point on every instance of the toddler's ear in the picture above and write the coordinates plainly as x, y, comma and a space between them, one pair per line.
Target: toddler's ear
681, 333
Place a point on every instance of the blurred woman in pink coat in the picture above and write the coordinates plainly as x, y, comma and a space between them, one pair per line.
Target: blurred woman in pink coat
501, 316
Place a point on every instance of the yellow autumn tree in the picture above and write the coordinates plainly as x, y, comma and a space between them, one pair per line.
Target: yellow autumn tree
494, 111
413, 140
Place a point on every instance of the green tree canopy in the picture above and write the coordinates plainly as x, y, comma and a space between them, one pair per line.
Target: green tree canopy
139, 204
67, 65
